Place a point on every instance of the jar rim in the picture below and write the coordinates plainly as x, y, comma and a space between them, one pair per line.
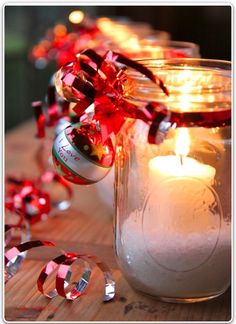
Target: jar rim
160, 66
150, 47
203, 62
196, 86
157, 33
170, 43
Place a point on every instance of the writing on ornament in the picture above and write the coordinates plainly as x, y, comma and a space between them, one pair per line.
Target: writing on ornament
63, 150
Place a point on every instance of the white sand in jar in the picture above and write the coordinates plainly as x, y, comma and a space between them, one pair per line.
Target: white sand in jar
174, 251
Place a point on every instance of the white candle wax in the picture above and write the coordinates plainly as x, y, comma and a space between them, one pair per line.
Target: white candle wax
162, 167
178, 190
170, 247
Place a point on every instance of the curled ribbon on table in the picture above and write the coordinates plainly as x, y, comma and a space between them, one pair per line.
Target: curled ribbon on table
15, 252
25, 198
10, 233
62, 263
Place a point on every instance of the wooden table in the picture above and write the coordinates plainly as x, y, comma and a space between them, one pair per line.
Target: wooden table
87, 227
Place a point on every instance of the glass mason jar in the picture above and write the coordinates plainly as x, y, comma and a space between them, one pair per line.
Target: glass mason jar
154, 47
173, 199
124, 29
151, 46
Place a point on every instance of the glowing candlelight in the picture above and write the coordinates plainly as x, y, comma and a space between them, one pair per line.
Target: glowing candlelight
180, 165
76, 17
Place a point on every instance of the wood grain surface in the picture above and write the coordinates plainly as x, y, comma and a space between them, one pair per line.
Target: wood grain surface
87, 227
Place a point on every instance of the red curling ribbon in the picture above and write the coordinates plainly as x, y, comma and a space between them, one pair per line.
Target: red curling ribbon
26, 200
76, 292
49, 268
162, 119
18, 192
142, 69
10, 230
113, 57
98, 83
62, 274
62, 264
93, 79
40, 118
53, 113
109, 291
16, 255
207, 119
159, 113
63, 46
13, 252
56, 108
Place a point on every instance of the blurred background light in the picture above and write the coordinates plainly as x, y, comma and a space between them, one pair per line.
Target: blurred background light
208, 26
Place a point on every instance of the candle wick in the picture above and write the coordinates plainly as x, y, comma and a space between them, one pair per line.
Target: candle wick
181, 159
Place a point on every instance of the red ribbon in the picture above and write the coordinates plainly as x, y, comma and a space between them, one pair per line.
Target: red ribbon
25, 198
63, 47
55, 110
62, 264
40, 118
97, 81
13, 252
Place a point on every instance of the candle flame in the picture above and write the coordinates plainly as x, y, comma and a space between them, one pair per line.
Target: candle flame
182, 142
75, 17
122, 32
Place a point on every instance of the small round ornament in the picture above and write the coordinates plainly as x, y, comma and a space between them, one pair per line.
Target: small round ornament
80, 156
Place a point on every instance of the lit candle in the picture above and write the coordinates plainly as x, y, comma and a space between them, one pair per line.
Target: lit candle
157, 48
180, 165
76, 17
170, 238
172, 232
